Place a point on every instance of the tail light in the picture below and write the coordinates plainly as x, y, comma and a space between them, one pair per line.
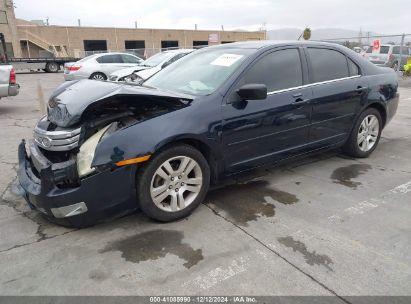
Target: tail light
73, 68
12, 79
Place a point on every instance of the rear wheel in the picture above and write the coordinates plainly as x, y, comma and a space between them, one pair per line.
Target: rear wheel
173, 183
52, 67
98, 76
365, 135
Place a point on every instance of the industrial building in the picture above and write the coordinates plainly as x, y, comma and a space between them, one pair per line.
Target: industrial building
33, 39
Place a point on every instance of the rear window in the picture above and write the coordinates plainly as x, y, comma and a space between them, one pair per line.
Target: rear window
327, 64
383, 50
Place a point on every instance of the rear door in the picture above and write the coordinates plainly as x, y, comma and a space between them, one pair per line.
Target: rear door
338, 89
256, 132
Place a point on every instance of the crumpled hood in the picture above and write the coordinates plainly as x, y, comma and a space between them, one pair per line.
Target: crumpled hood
68, 102
147, 73
128, 71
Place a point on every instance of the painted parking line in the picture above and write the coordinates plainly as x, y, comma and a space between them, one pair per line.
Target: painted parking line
365, 206
219, 274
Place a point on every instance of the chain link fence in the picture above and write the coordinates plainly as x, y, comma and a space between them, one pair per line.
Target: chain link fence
392, 51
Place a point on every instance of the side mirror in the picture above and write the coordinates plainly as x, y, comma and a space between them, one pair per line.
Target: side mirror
253, 91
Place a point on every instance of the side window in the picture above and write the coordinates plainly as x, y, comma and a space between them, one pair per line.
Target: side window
396, 50
327, 64
354, 70
110, 59
130, 59
117, 58
278, 70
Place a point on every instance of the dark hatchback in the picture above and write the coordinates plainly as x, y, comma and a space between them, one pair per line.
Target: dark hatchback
105, 149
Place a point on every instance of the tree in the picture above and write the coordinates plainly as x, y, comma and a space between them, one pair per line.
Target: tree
307, 33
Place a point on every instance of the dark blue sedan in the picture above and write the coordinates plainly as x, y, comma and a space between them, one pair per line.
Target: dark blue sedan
106, 149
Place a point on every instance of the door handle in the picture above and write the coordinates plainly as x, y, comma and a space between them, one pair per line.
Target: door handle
359, 89
301, 101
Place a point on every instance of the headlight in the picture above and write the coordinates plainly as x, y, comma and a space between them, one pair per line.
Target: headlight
57, 113
87, 150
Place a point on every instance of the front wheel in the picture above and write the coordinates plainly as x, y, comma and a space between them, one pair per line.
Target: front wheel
365, 135
173, 183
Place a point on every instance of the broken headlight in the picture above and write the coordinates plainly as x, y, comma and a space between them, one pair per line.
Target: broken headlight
58, 114
88, 148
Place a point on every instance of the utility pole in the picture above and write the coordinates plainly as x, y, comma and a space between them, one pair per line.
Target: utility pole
402, 43
195, 26
222, 27
135, 24
360, 37
79, 22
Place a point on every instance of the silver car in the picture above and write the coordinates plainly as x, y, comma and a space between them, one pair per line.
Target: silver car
150, 66
99, 66
389, 55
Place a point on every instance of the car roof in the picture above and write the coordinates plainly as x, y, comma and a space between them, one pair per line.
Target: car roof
179, 51
258, 44
113, 53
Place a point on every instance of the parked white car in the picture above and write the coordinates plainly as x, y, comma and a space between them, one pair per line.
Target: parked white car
150, 66
99, 66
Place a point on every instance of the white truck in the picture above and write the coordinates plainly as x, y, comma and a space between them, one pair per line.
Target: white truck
49, 65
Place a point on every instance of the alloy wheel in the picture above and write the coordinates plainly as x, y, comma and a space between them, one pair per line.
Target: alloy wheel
176, 183
98, 77
368, 133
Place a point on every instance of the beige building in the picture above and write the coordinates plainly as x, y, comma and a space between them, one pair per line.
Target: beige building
29, 39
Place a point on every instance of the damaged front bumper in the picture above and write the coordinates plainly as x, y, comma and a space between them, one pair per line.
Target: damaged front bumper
98, 197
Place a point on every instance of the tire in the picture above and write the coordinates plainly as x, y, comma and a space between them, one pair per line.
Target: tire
370, 136
162, 198
52, 67
98, 76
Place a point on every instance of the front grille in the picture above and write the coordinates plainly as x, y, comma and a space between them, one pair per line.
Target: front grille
57, 140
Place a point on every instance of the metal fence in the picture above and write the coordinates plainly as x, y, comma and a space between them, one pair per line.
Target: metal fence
363, 45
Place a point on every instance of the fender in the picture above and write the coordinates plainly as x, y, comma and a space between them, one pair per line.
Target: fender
147, 137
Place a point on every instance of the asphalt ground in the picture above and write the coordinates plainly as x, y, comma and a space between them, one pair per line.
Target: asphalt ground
326, 225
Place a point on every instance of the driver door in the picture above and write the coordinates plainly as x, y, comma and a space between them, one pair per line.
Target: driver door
256, 132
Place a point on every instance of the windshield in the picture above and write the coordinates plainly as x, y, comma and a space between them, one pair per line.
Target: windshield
201, 72
156, 59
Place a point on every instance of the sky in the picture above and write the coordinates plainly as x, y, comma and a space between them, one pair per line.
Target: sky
381, 16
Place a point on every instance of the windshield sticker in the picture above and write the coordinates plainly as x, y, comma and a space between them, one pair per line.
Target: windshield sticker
226, 59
